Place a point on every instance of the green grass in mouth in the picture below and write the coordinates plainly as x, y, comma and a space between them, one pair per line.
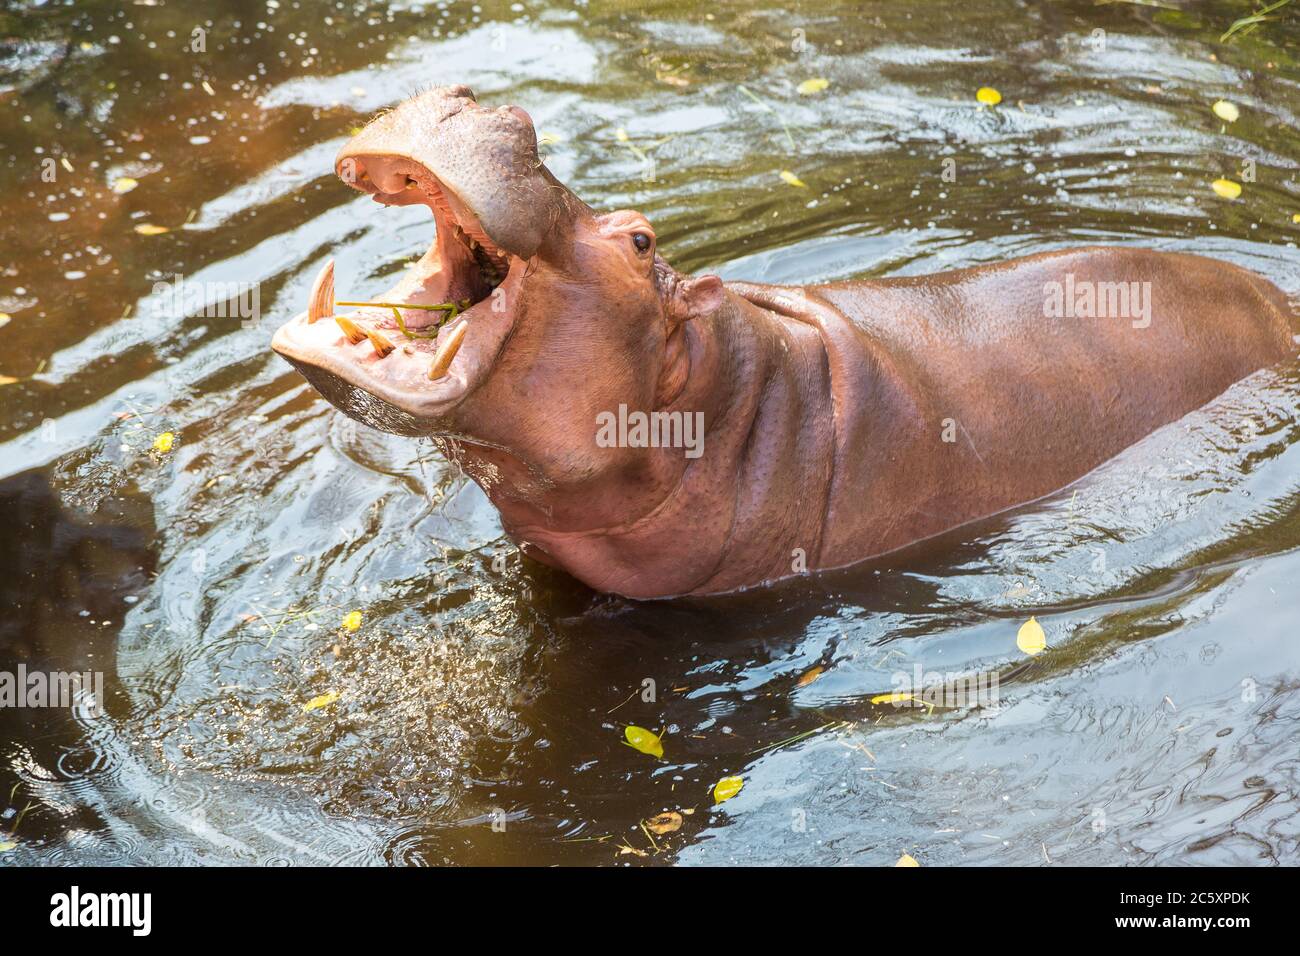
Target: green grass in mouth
452, 309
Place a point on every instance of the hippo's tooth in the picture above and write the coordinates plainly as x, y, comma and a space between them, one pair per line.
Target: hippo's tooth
447, 351
350, 329
380, 342
321, 301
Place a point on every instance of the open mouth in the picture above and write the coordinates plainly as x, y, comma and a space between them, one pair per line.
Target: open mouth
424, 345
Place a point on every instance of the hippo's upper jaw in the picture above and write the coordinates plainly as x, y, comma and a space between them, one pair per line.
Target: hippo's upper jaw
495, 208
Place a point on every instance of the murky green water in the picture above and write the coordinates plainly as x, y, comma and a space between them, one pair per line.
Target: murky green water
482, 701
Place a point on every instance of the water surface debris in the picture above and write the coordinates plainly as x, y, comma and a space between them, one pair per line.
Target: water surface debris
321, 700
1226, 188
1226, 111
1031, 638
726, 788
644, 741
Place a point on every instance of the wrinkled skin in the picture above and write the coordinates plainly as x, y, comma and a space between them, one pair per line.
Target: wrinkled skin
841, 421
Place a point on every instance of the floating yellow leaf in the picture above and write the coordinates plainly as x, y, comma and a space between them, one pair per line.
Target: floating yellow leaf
9, 380
726, 788
1296, 218
897, 697
352, 620
316, 703
792, 179
124, 184
1030, 638
149, 229
7, 846
5, 316
988, 96
668, 822
906, 860
638, 738
1226, 188
163, 443
1226, 111
809, 676
815, 85
207, 88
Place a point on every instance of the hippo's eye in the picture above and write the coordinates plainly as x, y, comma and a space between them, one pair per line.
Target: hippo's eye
641, 241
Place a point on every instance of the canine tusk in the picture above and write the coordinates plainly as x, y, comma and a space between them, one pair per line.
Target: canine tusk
380, 342
447, 351
350, 329
321, 301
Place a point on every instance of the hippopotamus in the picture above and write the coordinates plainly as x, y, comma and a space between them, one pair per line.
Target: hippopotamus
657, 434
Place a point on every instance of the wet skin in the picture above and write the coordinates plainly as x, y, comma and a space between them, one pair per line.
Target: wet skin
841, 421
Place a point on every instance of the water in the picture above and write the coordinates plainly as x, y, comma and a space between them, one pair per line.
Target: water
482, 701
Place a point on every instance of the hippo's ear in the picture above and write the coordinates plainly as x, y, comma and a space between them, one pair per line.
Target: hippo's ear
695, 297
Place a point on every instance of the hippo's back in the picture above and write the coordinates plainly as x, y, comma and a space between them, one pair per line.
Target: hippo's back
1047, 366
1074, 328
1094, 293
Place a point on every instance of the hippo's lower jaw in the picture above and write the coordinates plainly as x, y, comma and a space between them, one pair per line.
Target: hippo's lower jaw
403, 370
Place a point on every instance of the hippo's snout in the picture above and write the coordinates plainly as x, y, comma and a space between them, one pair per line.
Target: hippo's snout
405, 361
480, 165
